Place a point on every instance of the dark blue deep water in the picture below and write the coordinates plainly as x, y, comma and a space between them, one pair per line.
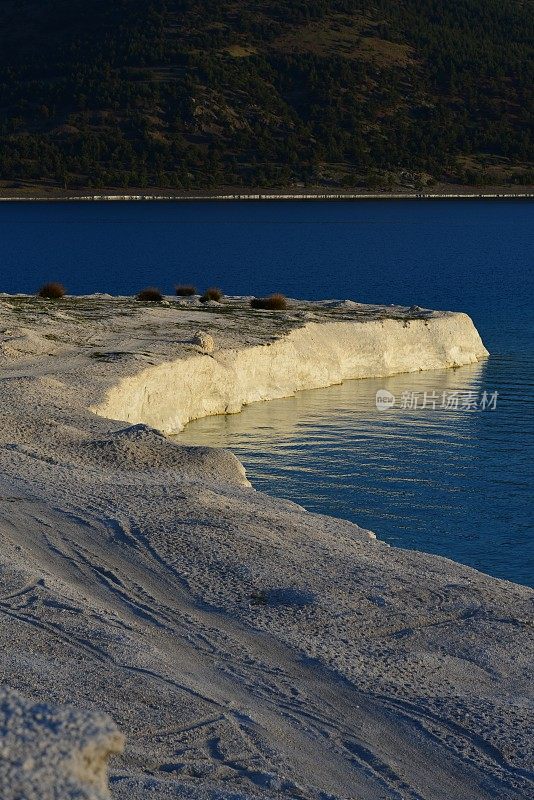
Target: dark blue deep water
457, 483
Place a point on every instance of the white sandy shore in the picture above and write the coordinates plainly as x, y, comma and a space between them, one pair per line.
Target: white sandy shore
502, 193
246, 648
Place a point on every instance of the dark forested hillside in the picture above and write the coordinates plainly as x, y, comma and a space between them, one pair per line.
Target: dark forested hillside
207, 94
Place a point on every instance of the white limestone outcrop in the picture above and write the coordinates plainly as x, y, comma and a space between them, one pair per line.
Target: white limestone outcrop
171, 394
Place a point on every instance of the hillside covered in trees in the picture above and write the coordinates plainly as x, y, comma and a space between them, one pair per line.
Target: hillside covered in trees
218, 94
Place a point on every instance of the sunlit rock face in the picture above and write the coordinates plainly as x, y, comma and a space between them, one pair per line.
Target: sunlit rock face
312, 356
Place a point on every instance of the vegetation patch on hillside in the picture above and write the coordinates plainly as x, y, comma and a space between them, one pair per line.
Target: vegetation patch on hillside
190, 95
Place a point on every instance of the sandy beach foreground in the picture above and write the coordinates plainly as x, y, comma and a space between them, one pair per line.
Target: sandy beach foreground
244, 647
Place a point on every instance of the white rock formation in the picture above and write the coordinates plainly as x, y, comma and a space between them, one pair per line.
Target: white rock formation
316, 355
54, 753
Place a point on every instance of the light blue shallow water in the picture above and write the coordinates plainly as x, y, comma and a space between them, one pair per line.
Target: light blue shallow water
456, 483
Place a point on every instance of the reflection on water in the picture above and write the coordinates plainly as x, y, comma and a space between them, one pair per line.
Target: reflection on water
450, 482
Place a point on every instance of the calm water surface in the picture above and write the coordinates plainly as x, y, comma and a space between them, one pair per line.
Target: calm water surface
456, 483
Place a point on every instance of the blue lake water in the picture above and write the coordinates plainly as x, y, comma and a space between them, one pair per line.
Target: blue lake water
457, 483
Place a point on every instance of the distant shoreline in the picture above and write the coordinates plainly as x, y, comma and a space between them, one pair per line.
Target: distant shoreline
268, 195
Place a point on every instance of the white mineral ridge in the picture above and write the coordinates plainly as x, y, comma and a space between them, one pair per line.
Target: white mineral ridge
245, 647
316, 355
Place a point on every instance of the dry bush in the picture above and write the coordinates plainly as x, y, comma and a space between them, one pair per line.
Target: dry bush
211, 294
52, 291
150, 295
275, 302
185, 291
